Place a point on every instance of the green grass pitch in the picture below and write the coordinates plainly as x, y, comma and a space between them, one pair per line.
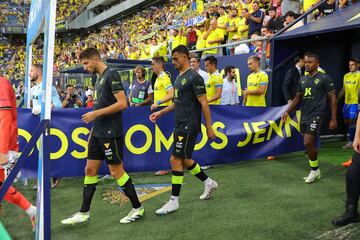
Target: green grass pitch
265, 200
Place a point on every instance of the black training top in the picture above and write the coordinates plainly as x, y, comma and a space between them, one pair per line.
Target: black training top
188, 87
106, 85
314, 91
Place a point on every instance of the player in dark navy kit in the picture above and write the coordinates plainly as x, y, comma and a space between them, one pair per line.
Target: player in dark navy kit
313, 89
105, 141
189, 100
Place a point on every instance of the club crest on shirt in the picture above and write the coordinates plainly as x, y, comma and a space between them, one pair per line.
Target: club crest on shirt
317, 81
183, 81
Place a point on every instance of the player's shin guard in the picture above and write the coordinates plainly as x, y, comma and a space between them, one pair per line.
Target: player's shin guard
177, 180
126, 185
15, 197
196, 170
314, 164
90, 183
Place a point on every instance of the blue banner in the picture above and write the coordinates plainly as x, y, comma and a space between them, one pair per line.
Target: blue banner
243, 133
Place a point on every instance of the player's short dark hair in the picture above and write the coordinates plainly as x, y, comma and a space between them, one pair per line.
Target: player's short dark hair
181, 49
193, 55
212, 60
312, 55
290, 14
298, 58
38, 66
69, 85
255, 58
356, 60
222, 7
159, 60
228, 69
89, 53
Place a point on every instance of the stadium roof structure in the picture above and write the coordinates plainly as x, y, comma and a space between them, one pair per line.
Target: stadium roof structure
348, 18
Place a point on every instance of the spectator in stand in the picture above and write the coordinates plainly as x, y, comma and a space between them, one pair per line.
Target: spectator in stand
255, 19
213, 38
201, 42
72, 99
90, 101
141, 93
276, 22
233, 28
229, 94
222, 25
290, 16
327, 8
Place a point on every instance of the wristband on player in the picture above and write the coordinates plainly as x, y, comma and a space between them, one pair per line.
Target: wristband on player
158, 102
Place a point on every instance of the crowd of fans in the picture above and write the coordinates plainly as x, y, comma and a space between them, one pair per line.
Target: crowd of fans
157, 30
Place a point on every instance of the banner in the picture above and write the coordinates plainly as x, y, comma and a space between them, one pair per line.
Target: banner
243, 133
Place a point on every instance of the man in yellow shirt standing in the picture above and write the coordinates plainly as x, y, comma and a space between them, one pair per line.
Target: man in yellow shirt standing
351, 90
178, 38
213, 38
257, 83
222, 25
214, 83
232, 28
163, 91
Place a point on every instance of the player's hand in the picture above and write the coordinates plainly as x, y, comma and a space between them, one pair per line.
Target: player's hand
356, 144
284, 116
332, 124
36, 110
3, 159
289, 101
154, 116
154, 106
89, 117
245, 92
210, 133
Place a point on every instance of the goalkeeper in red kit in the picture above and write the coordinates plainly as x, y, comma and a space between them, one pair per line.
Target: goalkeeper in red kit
9, 146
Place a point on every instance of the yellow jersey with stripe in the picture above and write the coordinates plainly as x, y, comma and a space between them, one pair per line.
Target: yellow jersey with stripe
161, 86
255, 80
215, 81
352, 86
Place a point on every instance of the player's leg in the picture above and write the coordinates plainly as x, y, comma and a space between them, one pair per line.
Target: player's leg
209, 184
310, 146
352, 194
113, 152
177, 180
125, 182
93, 164
16, 198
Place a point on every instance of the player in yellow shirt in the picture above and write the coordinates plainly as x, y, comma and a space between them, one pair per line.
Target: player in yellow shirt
351, 90
213, 38
163, 89
257, 83
214, 83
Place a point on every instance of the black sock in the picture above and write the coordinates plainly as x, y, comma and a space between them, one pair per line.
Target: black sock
176, 180
88, 193
196, 170
129, 190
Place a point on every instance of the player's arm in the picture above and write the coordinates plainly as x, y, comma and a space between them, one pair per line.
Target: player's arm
207, 116
258, 91
356, 142
217, 94
156, 115
333, 106
5, 132
120, 105
292, 106
341, 94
